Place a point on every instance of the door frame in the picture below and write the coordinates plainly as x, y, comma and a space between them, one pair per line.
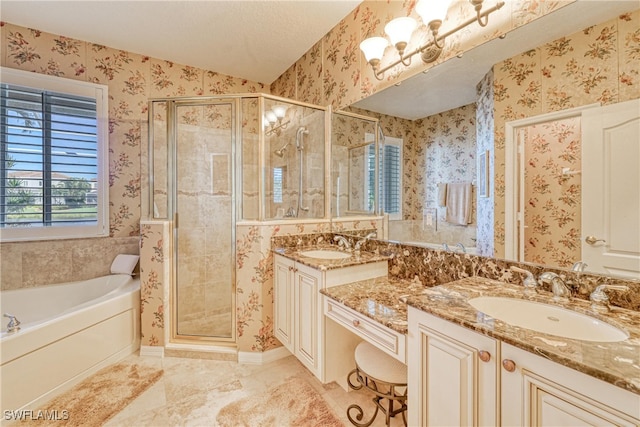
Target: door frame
514, 171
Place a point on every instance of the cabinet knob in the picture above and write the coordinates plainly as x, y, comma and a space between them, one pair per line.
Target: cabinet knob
356, 322
509, 365
484, 355
290, 268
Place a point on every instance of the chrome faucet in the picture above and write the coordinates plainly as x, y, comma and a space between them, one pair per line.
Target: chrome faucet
446, 247
14, 323
579, 266
342, 242
561, 291
599, 298
360, 242
530, 283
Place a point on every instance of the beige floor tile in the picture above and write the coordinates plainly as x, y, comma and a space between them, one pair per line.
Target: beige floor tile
192, 391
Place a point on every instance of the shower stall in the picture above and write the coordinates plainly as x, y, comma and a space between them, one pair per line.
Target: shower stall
215, 162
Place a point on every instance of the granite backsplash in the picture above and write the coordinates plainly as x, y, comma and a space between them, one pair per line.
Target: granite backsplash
434, 267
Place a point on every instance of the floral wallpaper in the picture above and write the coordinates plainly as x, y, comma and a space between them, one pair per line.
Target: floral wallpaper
552, 193
155, 276
254, 275
484, 143
334, 71
132, 79
595, 65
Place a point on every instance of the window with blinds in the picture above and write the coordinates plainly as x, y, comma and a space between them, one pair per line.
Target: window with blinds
52, 158
390, 176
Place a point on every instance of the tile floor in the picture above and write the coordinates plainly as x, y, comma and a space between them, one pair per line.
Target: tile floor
192, 391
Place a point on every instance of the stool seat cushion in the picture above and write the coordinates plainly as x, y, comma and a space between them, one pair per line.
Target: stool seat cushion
378, 364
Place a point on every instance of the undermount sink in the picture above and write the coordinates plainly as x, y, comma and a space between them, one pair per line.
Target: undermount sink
548, 319
325, 254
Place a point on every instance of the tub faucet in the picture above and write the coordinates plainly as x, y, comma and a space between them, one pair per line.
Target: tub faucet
446, 247
342, 242
561, 291
462, 248
14, 323
360, 242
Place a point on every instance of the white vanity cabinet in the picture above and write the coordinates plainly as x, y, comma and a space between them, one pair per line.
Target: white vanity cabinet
299, 322
453, 374
538, 392
297, 308
460, 377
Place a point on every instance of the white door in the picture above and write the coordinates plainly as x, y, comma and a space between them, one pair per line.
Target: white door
611, 189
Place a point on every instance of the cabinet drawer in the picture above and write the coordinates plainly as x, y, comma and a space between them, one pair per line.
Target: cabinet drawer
391, 342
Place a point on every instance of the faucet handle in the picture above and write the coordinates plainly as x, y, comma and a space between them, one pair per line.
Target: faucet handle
599, 298
530, 283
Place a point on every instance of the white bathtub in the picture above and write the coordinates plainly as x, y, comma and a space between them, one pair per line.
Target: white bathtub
67, 333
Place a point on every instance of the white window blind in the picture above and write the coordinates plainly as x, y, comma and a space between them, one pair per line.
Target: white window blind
277, 185
390, 177
52, 158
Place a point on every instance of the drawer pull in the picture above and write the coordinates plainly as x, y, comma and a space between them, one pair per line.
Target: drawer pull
484, 355
356, 322
509, 365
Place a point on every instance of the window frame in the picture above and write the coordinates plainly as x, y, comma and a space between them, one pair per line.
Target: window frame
79, 88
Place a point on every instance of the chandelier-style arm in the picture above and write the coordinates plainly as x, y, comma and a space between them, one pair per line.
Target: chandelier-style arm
379, 72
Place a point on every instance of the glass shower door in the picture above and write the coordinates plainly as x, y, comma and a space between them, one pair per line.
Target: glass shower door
205, 224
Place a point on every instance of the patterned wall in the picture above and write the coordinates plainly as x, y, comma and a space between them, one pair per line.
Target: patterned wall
596, 65
155, 276
334, 72
132, 79
552, 193
254, 275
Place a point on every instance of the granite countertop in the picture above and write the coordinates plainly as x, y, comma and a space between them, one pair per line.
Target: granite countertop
382, 299
617, 363
295, 254
378, 299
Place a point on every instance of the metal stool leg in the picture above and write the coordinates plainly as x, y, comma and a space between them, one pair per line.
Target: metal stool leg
364, 380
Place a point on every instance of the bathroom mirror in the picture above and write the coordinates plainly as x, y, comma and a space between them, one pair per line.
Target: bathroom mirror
452, 83
353, 160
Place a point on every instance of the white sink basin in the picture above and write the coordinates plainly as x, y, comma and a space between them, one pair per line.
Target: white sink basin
325, 254
548, 319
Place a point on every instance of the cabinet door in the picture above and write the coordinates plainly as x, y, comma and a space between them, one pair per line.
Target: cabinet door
531, 398
449, 383
283, 301
306, 294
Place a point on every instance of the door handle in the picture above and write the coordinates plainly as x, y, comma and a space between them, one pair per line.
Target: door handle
592, 240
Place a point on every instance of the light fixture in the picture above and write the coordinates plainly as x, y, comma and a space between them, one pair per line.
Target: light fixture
274, 120
399, 30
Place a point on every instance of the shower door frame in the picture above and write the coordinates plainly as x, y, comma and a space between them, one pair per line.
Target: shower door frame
172, 106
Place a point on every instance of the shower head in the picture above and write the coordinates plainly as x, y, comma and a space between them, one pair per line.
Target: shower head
280, 151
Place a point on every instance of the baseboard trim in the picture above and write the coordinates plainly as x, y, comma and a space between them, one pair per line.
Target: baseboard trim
151, 351
255, 358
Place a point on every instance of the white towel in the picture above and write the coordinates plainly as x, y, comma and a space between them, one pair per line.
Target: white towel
442, 194
459, 199
124, 264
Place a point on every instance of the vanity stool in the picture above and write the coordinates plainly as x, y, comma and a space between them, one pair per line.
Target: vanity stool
385, 376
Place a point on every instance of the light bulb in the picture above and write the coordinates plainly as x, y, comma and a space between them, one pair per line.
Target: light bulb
271, 117
399, 30
432, 10
373, 48
279, 111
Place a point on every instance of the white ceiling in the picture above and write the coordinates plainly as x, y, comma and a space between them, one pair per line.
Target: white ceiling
453, 83
256, 40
